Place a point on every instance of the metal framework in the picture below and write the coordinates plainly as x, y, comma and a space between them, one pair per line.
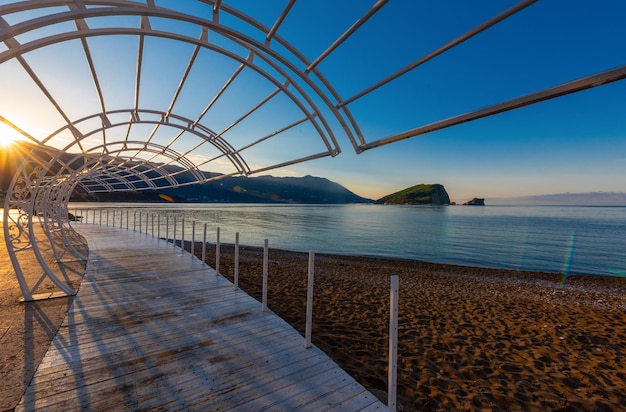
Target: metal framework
137, 144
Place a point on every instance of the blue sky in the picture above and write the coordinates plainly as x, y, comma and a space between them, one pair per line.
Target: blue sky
576, 143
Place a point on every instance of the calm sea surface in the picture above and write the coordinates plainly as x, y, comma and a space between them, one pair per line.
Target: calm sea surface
583, 240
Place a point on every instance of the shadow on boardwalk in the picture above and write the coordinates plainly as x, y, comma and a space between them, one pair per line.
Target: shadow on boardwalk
152, 327
26, 329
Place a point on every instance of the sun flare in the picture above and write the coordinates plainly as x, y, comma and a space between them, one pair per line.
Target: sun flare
7, 135
6, 140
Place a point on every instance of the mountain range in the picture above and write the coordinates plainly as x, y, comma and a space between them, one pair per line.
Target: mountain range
566, 199
241, 189
307, 189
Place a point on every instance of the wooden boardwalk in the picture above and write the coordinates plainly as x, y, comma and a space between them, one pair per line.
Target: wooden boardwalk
153, 329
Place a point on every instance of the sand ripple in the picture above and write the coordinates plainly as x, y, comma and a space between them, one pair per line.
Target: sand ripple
469, 339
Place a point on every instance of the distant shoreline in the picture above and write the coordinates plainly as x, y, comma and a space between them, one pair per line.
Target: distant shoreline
532, 276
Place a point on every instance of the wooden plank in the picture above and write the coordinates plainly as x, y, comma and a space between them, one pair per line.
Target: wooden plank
153, 329
124, 349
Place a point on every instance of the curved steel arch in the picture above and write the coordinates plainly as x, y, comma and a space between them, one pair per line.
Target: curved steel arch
41, 196
41, 188
254, 47
199, 130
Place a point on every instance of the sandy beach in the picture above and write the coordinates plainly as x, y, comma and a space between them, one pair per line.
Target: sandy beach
469, 338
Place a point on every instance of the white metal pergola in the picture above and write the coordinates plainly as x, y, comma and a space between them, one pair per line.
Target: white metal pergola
136, 144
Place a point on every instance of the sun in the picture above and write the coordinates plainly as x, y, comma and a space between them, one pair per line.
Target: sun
6, 140
7, 135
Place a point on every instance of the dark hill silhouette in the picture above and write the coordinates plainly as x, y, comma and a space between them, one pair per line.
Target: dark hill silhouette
261, 189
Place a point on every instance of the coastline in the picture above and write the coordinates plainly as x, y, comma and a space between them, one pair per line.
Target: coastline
470, 338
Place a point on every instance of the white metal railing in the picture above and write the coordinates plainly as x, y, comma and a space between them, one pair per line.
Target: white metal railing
144, 222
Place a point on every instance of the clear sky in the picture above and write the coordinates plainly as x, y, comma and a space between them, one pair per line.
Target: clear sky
575, 143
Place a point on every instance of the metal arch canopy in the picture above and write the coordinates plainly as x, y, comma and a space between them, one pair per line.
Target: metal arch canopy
144, 143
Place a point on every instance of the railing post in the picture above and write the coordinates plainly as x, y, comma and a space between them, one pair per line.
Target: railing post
182, 235
217, 252
113, 223
152, 223
174, 234
309, 302
147, 221
167, 227
107, 217
159, 226
204, 246
134, 220
236, 277
265, 274
193, 237
100, 217
393, 345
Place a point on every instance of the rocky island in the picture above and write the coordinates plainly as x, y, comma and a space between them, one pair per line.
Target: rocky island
422, 194
475, 202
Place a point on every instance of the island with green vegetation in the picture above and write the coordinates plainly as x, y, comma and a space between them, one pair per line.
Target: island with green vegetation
422, 194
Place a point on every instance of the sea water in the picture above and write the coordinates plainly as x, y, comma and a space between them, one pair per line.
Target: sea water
569, 239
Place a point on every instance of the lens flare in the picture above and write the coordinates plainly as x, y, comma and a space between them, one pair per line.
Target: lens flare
568, 258
166, 197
